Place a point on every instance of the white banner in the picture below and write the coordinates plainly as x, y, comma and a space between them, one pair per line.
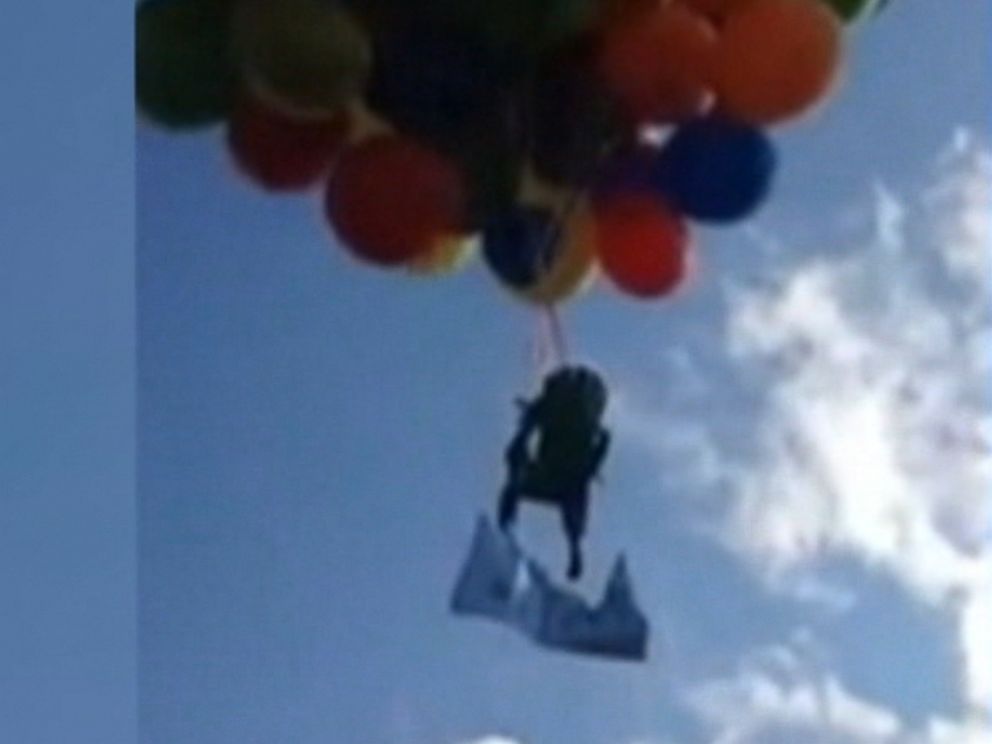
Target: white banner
500, 583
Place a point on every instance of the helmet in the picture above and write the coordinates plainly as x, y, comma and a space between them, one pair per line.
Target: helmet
591, 391
575, 389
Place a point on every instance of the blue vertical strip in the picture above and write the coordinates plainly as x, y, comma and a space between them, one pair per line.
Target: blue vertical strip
67, 509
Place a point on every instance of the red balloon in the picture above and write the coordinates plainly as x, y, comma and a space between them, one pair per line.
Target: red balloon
391, 199
643, 244
280, 153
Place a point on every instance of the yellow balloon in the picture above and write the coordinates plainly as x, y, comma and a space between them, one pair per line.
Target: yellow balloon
574, 270
308, 56
448, 255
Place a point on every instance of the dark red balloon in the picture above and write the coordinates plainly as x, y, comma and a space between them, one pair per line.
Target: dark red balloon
390, 199
643, 244
280, 153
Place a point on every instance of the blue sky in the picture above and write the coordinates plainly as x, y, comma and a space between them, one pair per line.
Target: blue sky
67, 510
315, 440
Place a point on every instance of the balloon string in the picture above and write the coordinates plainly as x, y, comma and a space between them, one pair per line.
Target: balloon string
538, 354
550, 343
550, 350
573, 200
559, 345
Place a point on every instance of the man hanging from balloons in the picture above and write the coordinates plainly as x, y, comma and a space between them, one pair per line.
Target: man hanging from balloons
572, 444
566, 138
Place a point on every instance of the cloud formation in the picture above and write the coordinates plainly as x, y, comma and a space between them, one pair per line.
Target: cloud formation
779, 696
875, 442
872, 441
774, 697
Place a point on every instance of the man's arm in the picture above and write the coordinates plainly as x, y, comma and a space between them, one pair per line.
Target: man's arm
517, 451
600, 450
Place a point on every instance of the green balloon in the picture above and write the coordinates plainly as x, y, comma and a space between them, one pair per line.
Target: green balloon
851, 10
311, 56
184, 74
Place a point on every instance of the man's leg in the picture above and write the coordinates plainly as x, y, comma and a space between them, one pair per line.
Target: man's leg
509, 501
574, 558
574, 512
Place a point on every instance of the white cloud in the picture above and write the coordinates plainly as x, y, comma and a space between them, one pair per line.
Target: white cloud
876, 438
964, 229
775, 697
780, 696
873, 439
974, 731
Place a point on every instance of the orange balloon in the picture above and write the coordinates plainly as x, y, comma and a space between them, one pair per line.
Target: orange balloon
777, 58
657, 62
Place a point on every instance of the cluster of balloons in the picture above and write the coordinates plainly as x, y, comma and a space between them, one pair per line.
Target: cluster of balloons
561, 135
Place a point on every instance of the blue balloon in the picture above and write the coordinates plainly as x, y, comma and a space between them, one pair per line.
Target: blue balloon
716, 170
519, 245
